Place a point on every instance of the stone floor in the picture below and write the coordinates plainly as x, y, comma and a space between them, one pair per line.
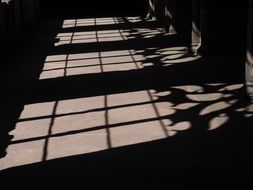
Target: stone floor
115, 102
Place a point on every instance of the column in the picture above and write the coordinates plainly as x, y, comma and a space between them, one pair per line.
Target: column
167, 15
249, 60
223, 27
156, 9
196, 26
181, 19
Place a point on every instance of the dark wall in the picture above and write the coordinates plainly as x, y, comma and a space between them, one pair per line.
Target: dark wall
182, 15
224, 25
90, 8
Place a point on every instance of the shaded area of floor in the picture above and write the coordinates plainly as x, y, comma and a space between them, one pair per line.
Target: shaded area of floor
93, 8
114, 102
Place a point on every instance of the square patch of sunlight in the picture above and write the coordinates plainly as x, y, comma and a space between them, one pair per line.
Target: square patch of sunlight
69, 23
115, 53
63, 42
110, 39
37, 110
23, 154
88, 123
133, 114
65, 34
54, 65
128, 99
64, 38
83, 56
108, 33
138, 58
85, 22
117, 59
105, 21
83, 70
77, 144
84, 35
136, 133
52, 58
52, 74
80, 105
84, 40
119, 67
31, 128
76, 37
84, 62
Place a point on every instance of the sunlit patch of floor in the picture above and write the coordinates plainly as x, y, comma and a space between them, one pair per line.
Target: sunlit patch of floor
89, 63
70, 127
57, 129
99, 35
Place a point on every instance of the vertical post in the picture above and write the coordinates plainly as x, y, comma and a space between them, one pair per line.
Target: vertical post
249, 59
196, 26
181, 16
151, 9
181, 20
156, 9
167, 15
173, 17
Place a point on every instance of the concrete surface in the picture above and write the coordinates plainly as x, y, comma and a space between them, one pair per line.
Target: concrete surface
115, 102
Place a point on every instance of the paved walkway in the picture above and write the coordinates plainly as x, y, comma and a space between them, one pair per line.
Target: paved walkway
110, 98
